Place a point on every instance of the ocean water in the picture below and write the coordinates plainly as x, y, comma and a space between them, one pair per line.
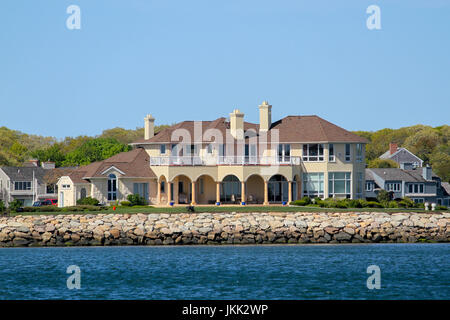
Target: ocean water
407, 271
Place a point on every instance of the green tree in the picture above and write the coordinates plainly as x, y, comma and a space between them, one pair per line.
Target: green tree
423, 143
52, 153
382, 163
440, 163
95, 149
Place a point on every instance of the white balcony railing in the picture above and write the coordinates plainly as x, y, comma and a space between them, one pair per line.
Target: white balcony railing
223, 160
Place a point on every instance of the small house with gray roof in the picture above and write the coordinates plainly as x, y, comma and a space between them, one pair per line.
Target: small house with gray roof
419, 184
401, 156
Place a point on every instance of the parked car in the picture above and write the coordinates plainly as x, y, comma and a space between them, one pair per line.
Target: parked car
53, 202
38, 203
41, 203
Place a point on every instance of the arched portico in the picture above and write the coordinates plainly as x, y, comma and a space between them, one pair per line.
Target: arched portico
230, 191
205, 190
254, 189
278, 189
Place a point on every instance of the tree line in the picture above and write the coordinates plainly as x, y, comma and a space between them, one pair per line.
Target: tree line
431, 144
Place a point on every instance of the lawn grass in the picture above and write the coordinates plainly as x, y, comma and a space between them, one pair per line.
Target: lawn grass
217, 209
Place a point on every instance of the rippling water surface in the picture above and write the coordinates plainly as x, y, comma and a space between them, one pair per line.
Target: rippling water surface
408, 271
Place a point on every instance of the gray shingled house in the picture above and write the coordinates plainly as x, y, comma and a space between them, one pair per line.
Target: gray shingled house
401, 156
418, 184
30, 183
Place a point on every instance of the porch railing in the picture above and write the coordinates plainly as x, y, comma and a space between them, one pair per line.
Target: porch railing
223, 160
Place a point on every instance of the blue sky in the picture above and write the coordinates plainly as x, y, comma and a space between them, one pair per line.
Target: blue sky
198, 60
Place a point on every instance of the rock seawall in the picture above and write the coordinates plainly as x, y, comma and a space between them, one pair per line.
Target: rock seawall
222, 228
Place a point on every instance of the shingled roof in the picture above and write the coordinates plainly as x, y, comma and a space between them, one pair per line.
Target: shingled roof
302, 129
134, 164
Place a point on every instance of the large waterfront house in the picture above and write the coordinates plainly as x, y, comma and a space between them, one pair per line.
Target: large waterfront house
31, 182
417, 183
228, 161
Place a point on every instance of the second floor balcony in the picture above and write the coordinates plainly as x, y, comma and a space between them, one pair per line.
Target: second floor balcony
223, 160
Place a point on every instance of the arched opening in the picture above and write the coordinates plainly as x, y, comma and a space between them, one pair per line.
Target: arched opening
278, 189
162, 190
83, 193
181, 189
205, 190
255, 189
112, 187
230, 191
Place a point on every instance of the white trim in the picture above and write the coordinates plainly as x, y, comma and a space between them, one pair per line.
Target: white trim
113, 167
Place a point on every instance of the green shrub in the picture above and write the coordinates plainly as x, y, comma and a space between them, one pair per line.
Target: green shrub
383, 195
15, 205
374, 204
2, 206
126, 203
136, 200
353, 203
439, 207
406, 203
88, 201
298, 203
393, 204
363, 203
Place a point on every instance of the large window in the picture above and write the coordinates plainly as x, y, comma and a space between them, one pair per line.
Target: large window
394, 186
313, 152
339, 184
141, 189
416, 188
112, 187
359, 152
331, 157
348, 152
313, 184
22, 185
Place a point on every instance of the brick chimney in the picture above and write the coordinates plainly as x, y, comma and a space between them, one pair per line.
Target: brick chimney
393, 147
32, 163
